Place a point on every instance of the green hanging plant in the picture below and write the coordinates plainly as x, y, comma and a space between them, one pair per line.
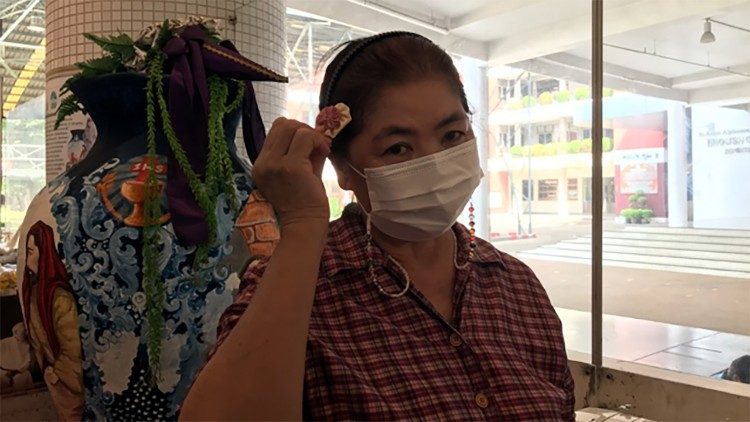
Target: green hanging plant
145, 55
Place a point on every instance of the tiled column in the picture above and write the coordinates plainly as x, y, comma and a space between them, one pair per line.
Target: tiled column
256, 27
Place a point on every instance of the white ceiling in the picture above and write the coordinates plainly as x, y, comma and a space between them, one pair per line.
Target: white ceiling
680, 39
553, 37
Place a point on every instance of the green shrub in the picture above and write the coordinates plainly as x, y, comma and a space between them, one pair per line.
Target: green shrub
586, 145
562, 96
628, 213
607, 144
582, 92
528, 101
545, 98
637, 215
550, 149
638, 200
608, 92
574, 146
644, 215
537, 150
516, 150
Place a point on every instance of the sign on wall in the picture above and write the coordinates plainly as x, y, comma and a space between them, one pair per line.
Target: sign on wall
639, 177
640, 155
721, 167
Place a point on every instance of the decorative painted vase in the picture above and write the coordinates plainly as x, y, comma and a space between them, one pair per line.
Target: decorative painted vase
81, 276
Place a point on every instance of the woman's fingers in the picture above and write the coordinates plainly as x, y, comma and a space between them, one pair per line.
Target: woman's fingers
307, 141
280, 137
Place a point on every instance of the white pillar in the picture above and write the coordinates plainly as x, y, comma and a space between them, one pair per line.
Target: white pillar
677, 203
474, 75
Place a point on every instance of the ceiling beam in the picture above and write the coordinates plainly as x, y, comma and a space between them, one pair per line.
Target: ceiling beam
24, 79
483, 13
569, 33
583, 76
11, 9
29, 7
7, 68
709, 76
20, 45
436, 25
723, 95
614, 70
354, 15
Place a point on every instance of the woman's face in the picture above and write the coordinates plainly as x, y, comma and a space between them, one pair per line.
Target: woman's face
32, 255
407, 122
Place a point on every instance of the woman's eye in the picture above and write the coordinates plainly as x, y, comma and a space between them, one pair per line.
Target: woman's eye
398, 149
454, 136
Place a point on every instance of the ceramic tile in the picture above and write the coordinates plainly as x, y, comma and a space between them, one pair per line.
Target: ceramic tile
734, 343
625, 338
684, 363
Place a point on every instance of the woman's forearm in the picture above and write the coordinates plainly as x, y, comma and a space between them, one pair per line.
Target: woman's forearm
258, 371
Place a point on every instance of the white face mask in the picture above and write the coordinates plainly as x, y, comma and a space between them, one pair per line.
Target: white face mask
420, 199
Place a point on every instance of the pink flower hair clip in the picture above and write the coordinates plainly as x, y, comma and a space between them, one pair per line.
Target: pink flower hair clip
333, 119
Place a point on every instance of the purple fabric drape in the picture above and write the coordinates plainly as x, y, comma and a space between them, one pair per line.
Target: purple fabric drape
192, 57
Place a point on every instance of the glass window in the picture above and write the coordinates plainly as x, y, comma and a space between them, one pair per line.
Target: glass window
572, 189
677, 241
548, 189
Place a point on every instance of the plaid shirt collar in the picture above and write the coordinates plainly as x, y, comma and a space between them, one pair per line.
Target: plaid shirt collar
346, 245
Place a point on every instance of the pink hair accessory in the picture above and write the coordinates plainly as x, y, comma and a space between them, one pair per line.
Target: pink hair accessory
333, 119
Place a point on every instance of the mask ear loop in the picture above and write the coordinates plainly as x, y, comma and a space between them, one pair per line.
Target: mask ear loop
330, 121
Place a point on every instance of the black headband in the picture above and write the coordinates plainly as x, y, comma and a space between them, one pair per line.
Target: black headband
353, 51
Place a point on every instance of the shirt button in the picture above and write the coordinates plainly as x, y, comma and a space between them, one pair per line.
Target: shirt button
481, 400
456, 340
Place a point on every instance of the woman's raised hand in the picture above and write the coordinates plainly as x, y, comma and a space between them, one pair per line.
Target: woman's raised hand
288, 173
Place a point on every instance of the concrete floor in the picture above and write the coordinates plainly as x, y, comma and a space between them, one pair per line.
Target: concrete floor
692, 300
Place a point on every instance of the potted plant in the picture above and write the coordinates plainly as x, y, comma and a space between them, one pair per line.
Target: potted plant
638, 212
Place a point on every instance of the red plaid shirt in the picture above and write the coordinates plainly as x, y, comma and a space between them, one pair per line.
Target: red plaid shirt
374, 357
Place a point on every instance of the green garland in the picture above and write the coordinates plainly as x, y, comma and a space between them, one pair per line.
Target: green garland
153, 286
219, 178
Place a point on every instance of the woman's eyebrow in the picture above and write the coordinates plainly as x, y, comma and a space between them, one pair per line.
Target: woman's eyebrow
392, 130
453, 118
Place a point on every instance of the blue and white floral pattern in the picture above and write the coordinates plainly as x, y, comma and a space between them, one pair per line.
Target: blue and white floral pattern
102, 255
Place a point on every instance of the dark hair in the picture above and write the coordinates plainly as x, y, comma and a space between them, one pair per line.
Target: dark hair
365, 66
739, 370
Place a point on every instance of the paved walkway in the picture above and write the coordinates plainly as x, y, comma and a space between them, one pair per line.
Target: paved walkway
679, 348
692, 300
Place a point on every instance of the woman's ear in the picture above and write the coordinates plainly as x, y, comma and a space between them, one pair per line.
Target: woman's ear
343, 172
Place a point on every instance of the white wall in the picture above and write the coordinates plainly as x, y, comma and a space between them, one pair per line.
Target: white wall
721, 167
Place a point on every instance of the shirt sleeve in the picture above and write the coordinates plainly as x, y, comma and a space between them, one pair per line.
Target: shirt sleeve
552, 361
569, 412
234, 312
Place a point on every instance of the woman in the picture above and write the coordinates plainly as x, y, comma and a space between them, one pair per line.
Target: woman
394, 311
52, 319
